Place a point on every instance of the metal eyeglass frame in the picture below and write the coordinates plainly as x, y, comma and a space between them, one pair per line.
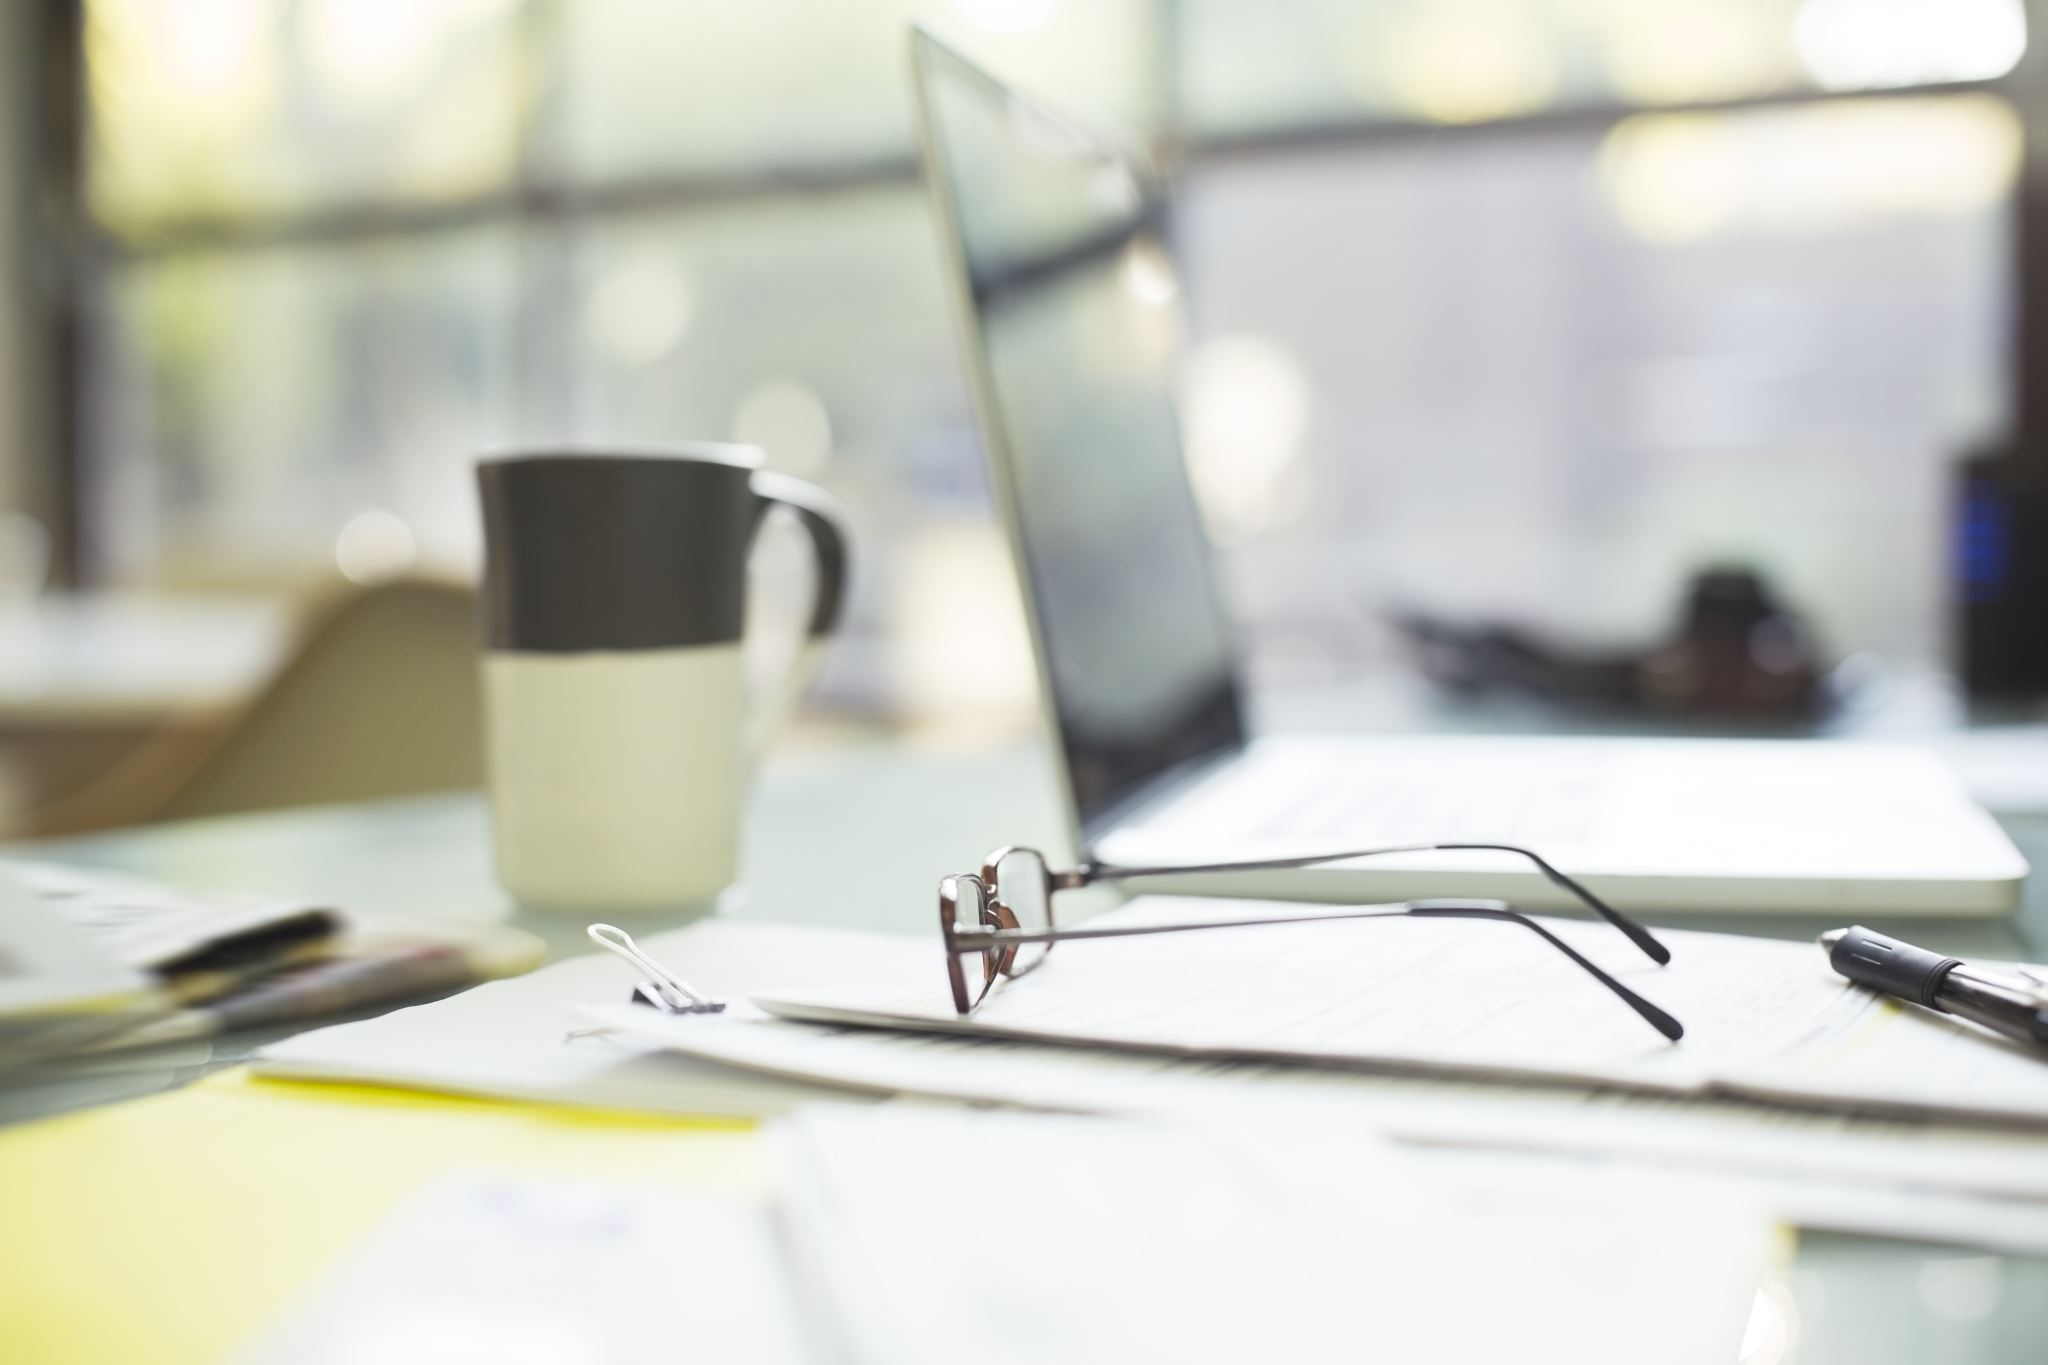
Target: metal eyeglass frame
992, 928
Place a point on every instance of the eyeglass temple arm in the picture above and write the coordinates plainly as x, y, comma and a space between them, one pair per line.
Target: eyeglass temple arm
1659, 1020
1637, 934
972, 941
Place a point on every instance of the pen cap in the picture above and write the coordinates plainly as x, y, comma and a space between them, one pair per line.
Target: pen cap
1885, 964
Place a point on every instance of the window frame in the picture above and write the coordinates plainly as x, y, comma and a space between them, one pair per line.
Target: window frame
78, 252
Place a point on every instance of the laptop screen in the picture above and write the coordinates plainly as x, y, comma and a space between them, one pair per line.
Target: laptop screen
1073, 341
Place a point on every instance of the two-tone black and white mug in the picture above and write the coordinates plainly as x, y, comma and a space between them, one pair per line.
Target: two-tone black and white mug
618, 736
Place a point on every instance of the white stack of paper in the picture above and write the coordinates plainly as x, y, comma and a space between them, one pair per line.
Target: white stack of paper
59, 986
909, 1234
531, 1038
150, 926
1939, 1181
522, 1039
944, 1236
506, 1269
92, 962
1763, 1018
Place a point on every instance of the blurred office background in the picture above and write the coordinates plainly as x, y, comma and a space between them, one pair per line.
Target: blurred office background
1503, 309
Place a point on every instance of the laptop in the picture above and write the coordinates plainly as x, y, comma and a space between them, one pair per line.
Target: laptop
1052, 236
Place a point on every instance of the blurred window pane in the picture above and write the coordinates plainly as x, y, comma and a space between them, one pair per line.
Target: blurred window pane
653, 87
1262, 67
233, 107
817, 329
1540, 375
252, 404
684, 317
1545, 379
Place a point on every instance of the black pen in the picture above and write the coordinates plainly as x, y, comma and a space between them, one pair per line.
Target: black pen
2001, 1001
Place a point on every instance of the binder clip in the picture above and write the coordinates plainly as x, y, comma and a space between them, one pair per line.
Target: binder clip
662, 988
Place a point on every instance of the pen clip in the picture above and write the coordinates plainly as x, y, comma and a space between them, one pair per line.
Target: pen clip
2035, 979
662, 988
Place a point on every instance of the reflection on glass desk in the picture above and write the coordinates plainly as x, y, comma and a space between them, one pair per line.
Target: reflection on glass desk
1857, 1300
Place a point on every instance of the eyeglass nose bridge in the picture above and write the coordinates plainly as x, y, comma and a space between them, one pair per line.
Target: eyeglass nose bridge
1005, 918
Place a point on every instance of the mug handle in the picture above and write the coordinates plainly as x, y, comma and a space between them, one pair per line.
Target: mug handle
822, 519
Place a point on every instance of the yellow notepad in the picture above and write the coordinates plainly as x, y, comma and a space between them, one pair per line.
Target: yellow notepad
174, 1228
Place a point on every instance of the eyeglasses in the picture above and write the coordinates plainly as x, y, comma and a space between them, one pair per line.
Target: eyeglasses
999, 923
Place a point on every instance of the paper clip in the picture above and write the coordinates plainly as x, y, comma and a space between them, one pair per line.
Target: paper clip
662, 988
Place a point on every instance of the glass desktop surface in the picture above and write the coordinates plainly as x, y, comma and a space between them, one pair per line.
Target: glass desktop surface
1847, 1300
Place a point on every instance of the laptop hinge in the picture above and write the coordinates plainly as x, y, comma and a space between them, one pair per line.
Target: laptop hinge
1155, 791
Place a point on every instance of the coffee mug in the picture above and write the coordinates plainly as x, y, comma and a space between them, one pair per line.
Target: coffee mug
618, 737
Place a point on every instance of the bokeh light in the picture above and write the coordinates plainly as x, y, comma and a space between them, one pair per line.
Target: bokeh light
1005, 17
961, 645
1963, 1288
639, 309
1676, 178
374, 546
1873, 44
1772, 1334
1146, 274
1246, 405
1463, 61
361, 48
1675, 51
788, 421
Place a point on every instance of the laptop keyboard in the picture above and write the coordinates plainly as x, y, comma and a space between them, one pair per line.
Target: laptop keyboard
1334, 804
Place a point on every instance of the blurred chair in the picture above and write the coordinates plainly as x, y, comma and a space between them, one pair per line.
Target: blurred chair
378, 697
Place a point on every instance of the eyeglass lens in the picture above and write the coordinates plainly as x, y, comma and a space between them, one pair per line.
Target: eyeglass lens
963, 904
1023, 886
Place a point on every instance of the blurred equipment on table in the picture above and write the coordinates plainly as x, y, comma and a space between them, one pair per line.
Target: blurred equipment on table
1737, 656
2000, 552
198, 964
1140, 670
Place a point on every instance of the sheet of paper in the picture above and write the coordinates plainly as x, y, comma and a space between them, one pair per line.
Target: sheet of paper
146, 924
1877, 1052
501, 1269
1906, 1177
947, 1235
1476, 998
59, 987
518, 1039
